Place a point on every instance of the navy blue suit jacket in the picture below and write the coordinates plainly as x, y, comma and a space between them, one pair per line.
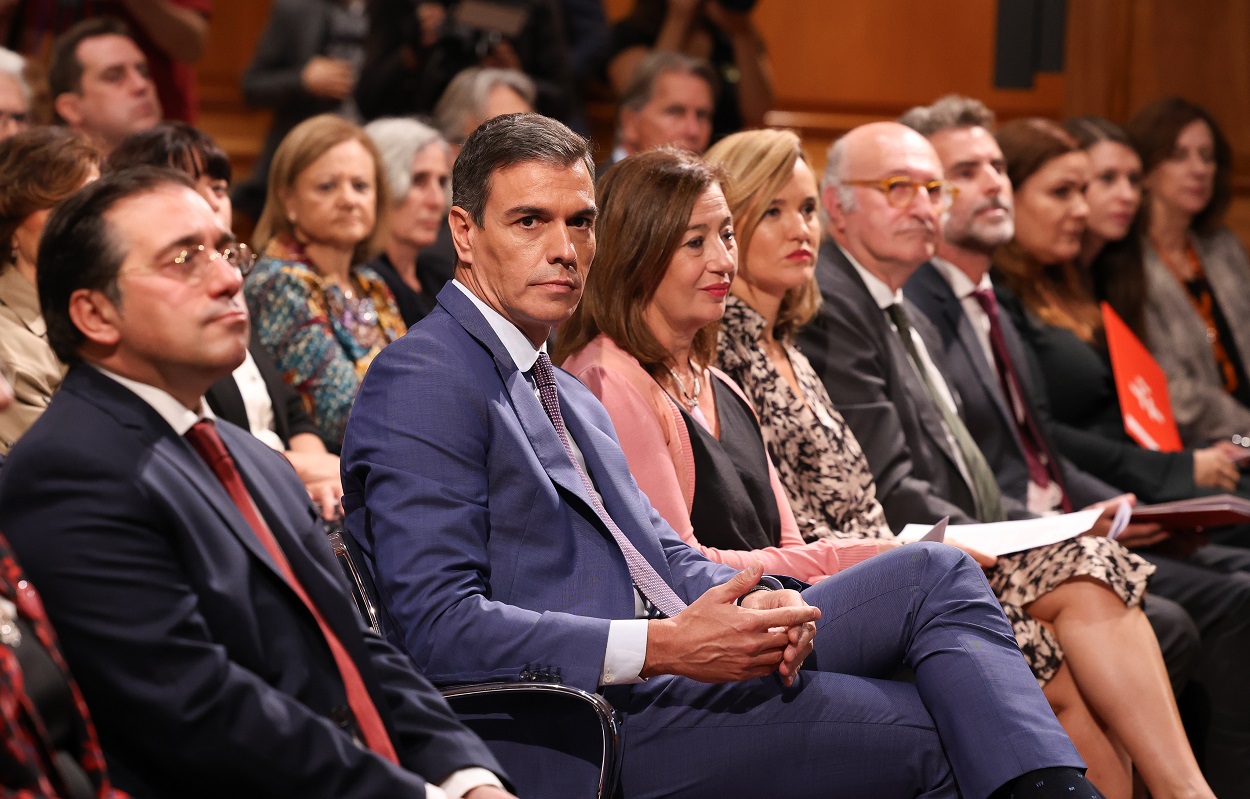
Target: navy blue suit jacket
989, 419
206, 674
485, 544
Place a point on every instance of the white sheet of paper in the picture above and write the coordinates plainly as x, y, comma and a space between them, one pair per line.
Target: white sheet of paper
937, 533
1003, 538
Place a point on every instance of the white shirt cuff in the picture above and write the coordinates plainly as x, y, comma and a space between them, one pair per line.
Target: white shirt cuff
461, 782
626, 653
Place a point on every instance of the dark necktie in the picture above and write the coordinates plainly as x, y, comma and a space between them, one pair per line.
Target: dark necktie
204, 438
1036, 453
649, 582
985, 493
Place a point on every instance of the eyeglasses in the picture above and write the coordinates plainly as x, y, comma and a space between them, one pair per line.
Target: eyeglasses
901, 191
192, 265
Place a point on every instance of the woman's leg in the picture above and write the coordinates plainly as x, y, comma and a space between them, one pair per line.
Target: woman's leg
1117, 667
1109, 766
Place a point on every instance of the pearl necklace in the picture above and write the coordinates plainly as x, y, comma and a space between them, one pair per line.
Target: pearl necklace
692, 399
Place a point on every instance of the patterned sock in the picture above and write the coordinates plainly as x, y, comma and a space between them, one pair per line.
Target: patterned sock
1049, 783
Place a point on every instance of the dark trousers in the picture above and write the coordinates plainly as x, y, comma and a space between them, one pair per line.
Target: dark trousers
974, 719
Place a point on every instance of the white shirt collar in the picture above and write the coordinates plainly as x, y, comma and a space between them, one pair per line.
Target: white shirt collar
958, 281
876, 286
170, 409
523, 353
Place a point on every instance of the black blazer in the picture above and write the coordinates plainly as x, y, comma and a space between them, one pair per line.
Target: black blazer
290, 417
988, 418
873, 385
206, 674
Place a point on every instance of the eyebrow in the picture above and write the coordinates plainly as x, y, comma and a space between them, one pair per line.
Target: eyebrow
534, 210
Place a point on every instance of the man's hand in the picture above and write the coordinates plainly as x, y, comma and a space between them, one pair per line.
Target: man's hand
801, 636
1213, 468
328, 77
1141, 534
714, 640
326, 495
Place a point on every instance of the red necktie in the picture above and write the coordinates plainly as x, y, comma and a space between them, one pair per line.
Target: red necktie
204, 438
1042, 466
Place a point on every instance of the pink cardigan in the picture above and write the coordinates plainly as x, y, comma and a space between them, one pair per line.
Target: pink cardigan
657, 446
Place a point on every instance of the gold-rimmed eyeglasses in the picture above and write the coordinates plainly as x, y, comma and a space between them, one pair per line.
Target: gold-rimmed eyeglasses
191, 264
901, 191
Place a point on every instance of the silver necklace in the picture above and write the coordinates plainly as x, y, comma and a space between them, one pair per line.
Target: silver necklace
692, 399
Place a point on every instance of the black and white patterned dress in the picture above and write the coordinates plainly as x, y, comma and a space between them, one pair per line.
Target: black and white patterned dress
830, 486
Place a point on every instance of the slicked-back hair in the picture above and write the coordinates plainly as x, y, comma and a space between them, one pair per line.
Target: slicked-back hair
64, 68
39, 168
79, 249
946, 113
758, 165
1154, 130
645, 202
173, 144
506, 141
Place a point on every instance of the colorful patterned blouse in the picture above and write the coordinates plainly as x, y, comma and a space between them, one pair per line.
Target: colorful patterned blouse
322, 337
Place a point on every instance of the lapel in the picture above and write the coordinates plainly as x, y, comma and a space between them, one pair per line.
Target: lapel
938, 301
1223, 260
273, 379
525, 403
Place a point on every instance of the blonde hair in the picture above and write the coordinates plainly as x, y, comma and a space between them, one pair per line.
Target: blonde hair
307, 142
759, 164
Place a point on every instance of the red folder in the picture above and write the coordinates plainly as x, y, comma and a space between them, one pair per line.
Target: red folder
1197, 513
1143, 387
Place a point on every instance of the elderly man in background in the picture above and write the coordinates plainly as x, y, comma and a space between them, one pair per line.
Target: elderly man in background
14, 94
669, 101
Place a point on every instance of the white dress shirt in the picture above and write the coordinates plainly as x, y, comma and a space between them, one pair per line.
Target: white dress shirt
257, 403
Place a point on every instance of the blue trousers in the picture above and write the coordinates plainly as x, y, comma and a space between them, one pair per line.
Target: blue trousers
973, 720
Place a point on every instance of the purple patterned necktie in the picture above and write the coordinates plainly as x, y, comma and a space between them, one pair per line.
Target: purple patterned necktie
649, 582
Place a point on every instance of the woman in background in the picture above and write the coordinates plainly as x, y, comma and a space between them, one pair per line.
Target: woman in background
418, 170
38, 169
1197, 270
321, 313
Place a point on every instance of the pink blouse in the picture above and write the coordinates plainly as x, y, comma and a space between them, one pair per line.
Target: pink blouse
657, 446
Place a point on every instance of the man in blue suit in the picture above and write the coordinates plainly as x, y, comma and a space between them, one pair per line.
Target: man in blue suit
179, 558
509, 541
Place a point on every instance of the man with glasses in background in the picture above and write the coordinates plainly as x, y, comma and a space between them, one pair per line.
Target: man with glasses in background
883, 195
179, 558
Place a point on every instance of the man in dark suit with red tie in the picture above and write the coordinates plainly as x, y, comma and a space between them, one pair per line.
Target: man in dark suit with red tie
179, 558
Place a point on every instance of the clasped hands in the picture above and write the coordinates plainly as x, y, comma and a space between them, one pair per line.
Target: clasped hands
715, 640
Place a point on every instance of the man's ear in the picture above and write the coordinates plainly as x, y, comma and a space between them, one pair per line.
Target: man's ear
832, 200
95, 316
69, 108
462, 235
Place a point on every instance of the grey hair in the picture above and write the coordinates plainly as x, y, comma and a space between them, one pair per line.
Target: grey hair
398, 140
464, 99
833, 177
14, 65
656, 64
951, 111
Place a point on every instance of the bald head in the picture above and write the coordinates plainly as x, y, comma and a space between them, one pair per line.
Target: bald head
890, 233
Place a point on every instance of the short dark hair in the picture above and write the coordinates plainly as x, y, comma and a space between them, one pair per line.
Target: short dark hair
80, 250
506, 141
64, 68
173, 144
1154, 130
951, 112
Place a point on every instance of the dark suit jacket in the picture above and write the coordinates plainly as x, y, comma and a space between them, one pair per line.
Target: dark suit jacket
475, 519
206, 674
871, 381
989, 419
290, 417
